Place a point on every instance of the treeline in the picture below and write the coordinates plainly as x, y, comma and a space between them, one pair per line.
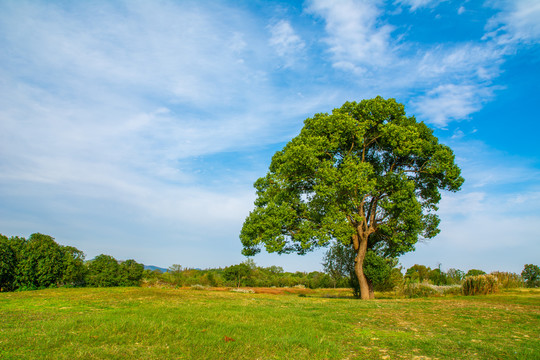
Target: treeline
248, 274
40, 262
245, 274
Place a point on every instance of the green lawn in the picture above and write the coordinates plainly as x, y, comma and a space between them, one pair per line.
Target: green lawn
150, 323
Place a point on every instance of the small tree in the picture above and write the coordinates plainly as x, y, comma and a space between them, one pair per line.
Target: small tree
455, 275
338, 262
366, 175
176, 273
531, 275
103, 271
237, 273
417, 273
74, 271
438, 277
131, 273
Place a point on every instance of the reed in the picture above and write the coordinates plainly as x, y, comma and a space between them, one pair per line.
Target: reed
480, 285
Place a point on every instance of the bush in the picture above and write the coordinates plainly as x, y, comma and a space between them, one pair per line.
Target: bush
416, 290
480, 285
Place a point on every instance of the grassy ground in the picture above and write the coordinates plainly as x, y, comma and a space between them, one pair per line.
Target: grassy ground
150, 323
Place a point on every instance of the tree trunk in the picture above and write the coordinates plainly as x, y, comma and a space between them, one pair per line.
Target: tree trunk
366, 290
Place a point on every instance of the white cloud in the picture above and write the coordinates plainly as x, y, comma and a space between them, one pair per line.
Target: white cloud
416, 4
355, 37
517, 21
285, 41
450, 102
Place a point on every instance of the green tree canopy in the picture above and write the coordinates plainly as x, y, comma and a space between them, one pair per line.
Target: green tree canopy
104, 271
131, 273
237, 273
475, 272
41, 262
74, 268
8, 264
531, 275
366, 175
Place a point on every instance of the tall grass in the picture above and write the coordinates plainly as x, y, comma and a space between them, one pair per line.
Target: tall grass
480, 285
508, 280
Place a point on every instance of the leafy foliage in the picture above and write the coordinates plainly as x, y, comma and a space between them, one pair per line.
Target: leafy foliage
475, 272
74, 268
8, 264
455, 276
41, 263
131, 273
417, 273
531, 275
237, 273
338, 262
106, 271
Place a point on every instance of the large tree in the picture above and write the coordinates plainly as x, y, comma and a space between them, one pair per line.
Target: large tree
366, 175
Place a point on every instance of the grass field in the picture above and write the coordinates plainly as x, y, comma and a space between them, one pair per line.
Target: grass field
151, 323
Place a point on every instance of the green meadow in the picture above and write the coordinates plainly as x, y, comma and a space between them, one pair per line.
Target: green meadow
156, 323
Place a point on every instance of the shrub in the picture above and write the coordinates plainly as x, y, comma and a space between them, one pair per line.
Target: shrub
450, 289
416, 290
480, 285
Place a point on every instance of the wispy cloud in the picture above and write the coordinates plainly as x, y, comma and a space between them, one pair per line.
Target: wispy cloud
417, 4
356, 39
517, 21
452, 81
285, 41
450, 102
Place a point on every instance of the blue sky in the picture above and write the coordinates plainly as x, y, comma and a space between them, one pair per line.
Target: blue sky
137, 128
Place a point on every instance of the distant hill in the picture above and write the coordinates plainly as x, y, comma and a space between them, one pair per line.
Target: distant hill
152, 268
